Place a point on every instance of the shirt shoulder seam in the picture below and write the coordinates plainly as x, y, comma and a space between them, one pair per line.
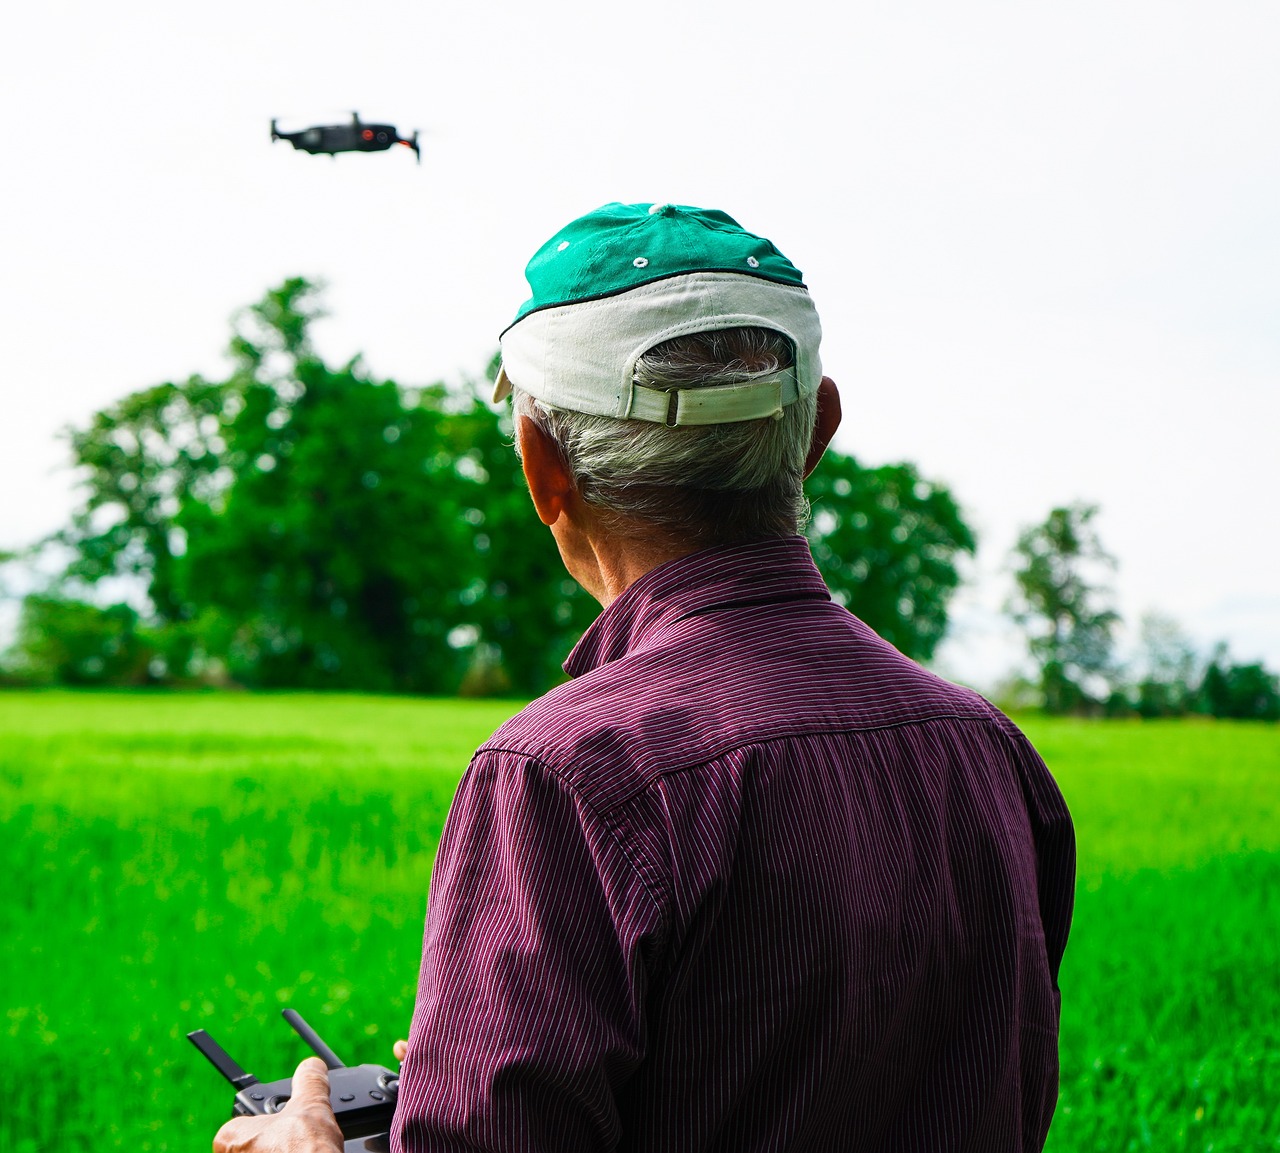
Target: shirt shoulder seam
601, 819
986, 720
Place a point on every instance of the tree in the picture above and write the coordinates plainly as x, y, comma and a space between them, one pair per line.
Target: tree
305, 525
1166, 668
1063, 607
887, 541
1238, 692
146, 458
338, 550
72, 642
299, 524
527, 612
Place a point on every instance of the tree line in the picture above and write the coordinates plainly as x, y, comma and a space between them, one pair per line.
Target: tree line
304, 525
1063, 603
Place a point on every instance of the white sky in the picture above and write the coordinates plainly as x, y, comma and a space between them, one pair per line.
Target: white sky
1043, 238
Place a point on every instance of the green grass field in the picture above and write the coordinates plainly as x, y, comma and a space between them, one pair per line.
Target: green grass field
183, 861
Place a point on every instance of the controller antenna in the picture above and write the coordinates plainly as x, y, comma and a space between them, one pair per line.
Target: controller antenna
218, 1057
312, 1038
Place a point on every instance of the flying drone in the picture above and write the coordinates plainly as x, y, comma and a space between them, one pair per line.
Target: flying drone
357, 136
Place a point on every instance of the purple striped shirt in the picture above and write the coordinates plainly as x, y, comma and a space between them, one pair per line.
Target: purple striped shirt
751, 881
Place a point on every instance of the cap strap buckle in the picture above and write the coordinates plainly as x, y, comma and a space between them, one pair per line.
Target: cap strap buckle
722, 404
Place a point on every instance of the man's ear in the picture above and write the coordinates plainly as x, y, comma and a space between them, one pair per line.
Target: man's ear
550, 482
824, 428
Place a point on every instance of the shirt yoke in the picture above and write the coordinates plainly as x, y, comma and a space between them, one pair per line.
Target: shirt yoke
724, 680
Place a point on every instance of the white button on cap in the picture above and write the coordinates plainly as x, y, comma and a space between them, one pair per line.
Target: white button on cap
751, 260
562, 246
640, 262
656, 208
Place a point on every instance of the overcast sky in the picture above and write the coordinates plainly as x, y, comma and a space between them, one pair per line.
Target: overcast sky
1043, 238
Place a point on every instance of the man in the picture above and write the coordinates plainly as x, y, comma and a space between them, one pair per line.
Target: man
751, 879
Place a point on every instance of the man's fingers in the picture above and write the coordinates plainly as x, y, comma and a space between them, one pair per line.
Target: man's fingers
310, 1085
400, 1049
235, 1135
305, 1125
307, 1130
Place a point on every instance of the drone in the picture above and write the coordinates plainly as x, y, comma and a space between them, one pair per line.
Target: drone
357, 136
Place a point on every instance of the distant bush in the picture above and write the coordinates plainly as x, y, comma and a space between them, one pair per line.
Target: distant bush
1241, 692
72, 642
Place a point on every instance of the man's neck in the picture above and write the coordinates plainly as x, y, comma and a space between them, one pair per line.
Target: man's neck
607, 562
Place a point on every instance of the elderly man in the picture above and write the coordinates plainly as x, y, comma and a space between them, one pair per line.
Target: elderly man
750, 880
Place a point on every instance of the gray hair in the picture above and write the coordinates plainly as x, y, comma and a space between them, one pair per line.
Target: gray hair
714, 484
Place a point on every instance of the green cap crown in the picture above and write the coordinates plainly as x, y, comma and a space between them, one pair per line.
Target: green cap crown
622, 246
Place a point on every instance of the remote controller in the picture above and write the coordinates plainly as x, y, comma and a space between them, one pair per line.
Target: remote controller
363, 1096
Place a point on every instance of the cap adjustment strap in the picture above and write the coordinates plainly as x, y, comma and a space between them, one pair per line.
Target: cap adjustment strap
722, 404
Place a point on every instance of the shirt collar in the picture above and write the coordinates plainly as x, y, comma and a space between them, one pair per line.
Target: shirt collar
778, 569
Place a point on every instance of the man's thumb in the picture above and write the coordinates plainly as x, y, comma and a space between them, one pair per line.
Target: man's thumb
310, 1085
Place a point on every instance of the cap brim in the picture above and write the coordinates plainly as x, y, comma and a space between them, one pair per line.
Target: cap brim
501, 387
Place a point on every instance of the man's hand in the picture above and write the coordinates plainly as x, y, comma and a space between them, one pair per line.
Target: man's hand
305, 1125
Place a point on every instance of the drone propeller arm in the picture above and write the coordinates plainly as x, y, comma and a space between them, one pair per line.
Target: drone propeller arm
411, 142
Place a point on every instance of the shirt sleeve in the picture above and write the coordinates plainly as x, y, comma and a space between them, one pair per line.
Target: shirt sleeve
1055, 845
530, 1008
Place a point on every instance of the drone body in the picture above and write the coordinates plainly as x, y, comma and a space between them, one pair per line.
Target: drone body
357, 136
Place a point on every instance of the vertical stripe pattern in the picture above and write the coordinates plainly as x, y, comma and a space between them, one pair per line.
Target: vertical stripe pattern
751, 881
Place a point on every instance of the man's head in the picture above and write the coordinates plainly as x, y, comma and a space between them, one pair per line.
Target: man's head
672, 359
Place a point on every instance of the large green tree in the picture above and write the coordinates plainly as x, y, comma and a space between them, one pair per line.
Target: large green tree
304, 524
1062, 602
526, 609
307, 525
144, 460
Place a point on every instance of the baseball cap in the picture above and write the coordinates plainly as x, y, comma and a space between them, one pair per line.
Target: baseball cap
611, 285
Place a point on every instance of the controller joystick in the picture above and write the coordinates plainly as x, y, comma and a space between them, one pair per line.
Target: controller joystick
363, 1096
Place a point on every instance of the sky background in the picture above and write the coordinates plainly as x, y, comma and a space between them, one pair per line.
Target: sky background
1043, 238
